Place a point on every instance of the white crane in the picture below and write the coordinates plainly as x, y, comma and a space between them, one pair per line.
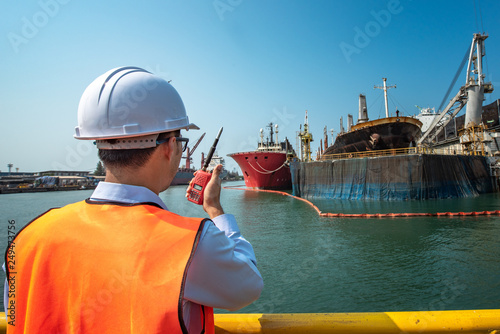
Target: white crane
472, 94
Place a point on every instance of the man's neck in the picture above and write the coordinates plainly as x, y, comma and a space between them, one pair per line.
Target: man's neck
135, 177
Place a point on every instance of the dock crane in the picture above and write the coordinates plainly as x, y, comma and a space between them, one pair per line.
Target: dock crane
472, 94
190, 151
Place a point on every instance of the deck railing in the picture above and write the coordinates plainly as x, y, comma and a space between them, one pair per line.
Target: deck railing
397, 151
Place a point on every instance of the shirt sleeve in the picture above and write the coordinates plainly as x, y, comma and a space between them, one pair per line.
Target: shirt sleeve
223, 272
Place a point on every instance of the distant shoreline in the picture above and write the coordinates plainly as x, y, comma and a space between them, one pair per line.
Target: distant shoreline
40, 189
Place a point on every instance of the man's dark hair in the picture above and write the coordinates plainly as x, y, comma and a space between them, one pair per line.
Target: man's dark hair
133, 157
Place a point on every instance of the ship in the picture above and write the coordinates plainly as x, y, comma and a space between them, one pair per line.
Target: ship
185, 173
448, 160
218, 160
183, 176
427, 116
379, 134
267, 167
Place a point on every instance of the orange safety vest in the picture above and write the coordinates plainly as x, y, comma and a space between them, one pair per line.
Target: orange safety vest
94, 267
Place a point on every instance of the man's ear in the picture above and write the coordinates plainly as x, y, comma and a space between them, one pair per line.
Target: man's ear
168, 148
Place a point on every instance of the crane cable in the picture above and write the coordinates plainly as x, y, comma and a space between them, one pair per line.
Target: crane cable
480, 15
482, 30
454, 81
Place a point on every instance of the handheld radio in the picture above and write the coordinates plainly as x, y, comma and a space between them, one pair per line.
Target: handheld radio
202, 177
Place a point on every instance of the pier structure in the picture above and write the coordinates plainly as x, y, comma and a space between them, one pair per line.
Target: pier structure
52, 180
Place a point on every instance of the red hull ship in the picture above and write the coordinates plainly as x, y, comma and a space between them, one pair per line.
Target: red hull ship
267, 167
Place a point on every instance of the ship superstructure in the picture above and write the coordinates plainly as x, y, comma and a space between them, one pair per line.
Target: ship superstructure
218, 160
379, 134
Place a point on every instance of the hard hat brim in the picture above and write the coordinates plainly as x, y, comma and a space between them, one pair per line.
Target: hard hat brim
190, 126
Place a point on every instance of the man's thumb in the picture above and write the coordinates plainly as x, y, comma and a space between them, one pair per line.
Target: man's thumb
217, 170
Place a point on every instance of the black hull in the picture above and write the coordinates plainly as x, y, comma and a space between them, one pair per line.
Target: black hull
401, 177
382, 134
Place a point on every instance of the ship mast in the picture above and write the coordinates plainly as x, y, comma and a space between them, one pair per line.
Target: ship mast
270, 126
385, 87
306, 139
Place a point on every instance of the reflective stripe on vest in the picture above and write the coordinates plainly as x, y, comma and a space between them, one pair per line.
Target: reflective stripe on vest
103, 268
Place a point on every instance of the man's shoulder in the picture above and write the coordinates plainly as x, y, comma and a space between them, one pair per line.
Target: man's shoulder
175, 218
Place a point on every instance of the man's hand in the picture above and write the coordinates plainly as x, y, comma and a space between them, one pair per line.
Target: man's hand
211, 195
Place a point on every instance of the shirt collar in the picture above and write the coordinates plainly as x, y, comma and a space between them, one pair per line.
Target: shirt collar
125, 193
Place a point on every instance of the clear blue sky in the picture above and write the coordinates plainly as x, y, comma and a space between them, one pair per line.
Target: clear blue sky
239, 64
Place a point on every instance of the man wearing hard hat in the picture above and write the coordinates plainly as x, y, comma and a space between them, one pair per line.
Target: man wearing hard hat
120, 262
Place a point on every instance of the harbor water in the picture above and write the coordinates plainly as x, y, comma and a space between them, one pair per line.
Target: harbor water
315, 264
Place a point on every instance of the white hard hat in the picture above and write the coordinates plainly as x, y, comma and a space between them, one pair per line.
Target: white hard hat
130, 102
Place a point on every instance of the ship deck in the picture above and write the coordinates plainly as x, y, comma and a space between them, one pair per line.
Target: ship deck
393, 152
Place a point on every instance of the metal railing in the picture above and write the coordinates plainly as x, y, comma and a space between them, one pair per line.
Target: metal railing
396, 151
470, 321
436, 322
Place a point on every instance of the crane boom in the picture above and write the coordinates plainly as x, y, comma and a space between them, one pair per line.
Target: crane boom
452, 109
190, 151
197, 143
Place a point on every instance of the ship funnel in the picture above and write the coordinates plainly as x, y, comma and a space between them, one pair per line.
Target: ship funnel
341, 125
363, 111
349, 122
